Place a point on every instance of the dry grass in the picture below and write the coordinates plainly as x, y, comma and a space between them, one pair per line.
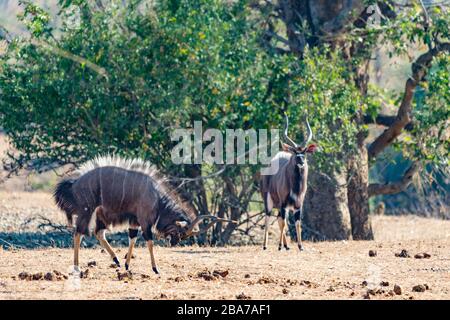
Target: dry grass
326, 270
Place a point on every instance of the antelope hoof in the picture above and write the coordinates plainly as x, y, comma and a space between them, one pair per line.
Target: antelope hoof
279, 247
300, 247
127, 266
155, 270
116, 261
286, 247
264, 248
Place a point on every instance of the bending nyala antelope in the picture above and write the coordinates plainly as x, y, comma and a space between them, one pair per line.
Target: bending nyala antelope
111, 191
286, 189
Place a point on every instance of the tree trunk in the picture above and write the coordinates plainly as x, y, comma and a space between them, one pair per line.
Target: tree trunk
326, 214
358, 194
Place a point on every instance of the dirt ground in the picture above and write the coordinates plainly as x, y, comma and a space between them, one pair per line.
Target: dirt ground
325, 270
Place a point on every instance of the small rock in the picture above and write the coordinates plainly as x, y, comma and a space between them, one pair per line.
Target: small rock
419, 256
397, 290
419, 288
222, 273
92, 264
364, 283
125, 275
163, 296
384, 284
372, 253
25, 276
243, 296
331, 289
49, 276
426, 255
38, 276
247, 276
403, 254
391, 293
285, 291
371, 292
84, 274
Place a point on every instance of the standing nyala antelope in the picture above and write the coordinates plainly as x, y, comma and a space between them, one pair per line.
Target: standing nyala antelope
286, 189
111, 191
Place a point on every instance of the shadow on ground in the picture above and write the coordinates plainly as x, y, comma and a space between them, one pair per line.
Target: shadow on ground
58, 239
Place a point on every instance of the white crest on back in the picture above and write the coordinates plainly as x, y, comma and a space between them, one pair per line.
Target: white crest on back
132, 164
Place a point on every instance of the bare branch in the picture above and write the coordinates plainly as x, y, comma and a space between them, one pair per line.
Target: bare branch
403, 118
395, 187
385, 120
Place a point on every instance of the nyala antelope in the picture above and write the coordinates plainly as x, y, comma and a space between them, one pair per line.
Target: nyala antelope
285, 190
111, 191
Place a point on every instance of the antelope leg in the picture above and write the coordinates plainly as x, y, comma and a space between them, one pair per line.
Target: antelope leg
132, 237
100, 234
152, 256
284, 234
266, 231
298, 227
268, 206
281, 223
76, 249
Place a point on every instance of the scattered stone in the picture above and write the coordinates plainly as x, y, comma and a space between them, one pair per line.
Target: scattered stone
92, 264
364, 283
124, 275
352, 293
285, 291
49, 276
265, 280
247, 276
372, 253
207, 275
371, 292
25, 276
102, 251
243, 296
391, 293
178, 279
84, 274
331, 289
423, 255
403, 254
38, 276
384, 284
420, 288
221, 273
163, 296
426, 255
397, 290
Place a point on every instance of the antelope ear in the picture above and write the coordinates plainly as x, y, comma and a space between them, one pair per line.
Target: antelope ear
311, 148
181, 224
287, 148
